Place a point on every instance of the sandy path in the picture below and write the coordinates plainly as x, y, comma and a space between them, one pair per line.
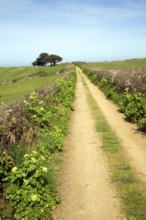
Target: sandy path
86, 191
134, 143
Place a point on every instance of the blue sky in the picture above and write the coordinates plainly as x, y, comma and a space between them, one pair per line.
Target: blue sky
85, 30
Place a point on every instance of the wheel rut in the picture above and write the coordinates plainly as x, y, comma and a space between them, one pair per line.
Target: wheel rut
86, 190
134, 143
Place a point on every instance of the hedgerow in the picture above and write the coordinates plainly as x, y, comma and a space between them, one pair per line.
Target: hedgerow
121, 78
126, 87
32, 130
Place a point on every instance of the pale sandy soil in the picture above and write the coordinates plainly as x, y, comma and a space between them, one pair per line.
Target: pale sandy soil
86, 190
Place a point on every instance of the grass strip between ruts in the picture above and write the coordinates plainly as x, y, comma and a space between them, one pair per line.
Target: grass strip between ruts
131, 190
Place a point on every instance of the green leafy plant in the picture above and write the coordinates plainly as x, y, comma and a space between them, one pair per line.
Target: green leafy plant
6, 163
65, 91
134, 107
56, 139
36, 108
32, 192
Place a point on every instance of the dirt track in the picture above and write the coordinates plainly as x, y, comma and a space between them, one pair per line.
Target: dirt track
134, 142
86, 191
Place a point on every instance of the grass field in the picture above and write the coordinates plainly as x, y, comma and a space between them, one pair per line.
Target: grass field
134, 63
13, 88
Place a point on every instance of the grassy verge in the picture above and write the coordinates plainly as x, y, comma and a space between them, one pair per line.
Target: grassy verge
130, 189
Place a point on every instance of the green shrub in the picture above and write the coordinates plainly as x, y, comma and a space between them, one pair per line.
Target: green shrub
32, 191
134, 107
6, 163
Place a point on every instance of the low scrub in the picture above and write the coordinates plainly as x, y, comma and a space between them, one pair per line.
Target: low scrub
121, 78
126, 87
133, 105
32, 131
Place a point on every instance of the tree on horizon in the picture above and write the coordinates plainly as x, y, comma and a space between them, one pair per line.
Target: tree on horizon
45, 58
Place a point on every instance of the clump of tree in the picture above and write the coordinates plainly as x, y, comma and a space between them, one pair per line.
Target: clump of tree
44, 59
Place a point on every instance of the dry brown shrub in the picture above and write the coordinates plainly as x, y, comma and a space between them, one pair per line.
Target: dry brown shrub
15, 124
122, 78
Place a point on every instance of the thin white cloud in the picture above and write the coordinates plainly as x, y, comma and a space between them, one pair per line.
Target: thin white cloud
66, 26
68, 13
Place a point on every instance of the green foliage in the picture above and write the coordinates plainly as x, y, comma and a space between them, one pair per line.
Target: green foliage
142, 124
45, 58
53, 59
52, 118
91, 76
6, 163
36, 108
40, 110
50, 141
31, 192
134, 107
110, 90
17, 152
1, 130
56, 139
65, 92
42, 143
42, 60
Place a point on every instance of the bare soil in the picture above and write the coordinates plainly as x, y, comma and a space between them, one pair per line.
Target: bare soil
86, 190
